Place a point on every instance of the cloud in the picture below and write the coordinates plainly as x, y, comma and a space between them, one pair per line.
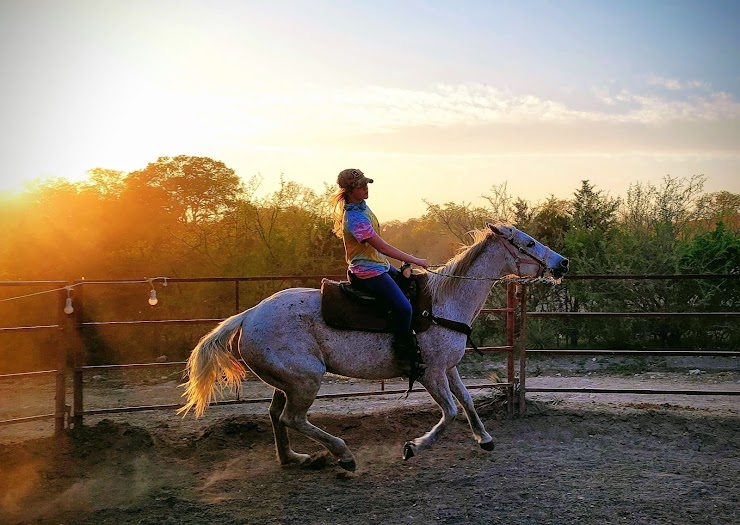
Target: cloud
656, 110
674, 84
378, 109
667, 83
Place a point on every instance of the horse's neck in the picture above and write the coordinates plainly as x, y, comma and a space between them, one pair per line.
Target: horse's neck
470, 296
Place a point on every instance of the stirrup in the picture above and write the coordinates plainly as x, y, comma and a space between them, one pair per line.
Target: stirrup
412, 357
416, 373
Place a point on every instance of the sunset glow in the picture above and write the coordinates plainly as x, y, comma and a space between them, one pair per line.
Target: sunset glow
436, 100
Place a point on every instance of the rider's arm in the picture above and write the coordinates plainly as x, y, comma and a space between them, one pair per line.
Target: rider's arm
386, 249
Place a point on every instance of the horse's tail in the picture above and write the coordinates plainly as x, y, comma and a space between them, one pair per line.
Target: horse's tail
211, 364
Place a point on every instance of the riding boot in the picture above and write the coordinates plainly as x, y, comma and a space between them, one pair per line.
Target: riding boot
408, 352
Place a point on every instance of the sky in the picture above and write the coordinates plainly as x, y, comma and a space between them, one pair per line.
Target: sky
437, 101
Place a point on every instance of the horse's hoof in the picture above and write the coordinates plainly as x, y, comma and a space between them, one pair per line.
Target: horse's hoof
489, 446
408, 451
298, 459
349, 465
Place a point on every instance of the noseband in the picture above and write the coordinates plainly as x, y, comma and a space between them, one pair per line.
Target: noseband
521, 255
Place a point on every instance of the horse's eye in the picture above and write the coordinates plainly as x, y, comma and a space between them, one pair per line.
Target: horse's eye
531, 244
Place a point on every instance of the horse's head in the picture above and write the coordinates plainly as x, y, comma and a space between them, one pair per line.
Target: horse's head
531, 258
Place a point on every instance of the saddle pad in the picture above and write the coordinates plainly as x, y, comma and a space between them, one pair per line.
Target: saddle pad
342, 311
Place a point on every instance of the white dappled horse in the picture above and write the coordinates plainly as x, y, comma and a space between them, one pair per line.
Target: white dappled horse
286, 343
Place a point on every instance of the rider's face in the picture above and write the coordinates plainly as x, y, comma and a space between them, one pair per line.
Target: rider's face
358, 194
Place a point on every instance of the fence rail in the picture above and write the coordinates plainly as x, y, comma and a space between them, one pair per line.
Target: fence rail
515, 316
70, 326
630, 352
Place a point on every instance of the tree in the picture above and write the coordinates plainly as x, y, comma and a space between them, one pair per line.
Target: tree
502, 208
654, 221
714, 252
523, 214
198, 189
290, 231
458, 219
721, 206
592, 218
105, 182
202, 194
592, 210
551, 222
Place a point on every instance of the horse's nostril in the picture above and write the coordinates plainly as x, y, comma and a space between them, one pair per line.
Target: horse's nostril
564, 263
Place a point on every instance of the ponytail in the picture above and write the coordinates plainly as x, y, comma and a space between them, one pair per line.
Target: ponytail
336, 206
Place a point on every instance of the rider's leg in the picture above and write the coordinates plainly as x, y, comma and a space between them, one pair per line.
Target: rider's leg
384, 287
404, 340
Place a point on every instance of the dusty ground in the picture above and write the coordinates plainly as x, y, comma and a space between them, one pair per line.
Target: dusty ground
574, 458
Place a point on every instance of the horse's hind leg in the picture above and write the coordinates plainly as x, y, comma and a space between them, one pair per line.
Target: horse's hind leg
285, 454
457, 387
300, 396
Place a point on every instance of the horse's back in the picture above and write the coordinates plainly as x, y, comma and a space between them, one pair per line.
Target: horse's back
283, 309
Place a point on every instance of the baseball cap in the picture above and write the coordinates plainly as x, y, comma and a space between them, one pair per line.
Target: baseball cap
351, 178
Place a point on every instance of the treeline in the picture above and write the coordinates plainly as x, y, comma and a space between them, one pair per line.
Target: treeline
195, 217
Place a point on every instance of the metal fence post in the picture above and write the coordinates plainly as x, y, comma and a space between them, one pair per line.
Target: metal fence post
521, 344
510, 327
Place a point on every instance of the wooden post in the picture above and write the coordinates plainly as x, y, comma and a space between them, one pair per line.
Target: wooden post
79, 356
510, 327
522, 348
60, 398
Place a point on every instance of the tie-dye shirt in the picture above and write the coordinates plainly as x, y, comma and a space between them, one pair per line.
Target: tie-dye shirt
360, 224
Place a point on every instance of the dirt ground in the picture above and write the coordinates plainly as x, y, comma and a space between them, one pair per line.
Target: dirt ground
572, 459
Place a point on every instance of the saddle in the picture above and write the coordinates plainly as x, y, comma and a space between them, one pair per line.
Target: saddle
348, 306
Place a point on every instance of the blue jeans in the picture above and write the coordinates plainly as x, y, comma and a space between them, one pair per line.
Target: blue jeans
385, 287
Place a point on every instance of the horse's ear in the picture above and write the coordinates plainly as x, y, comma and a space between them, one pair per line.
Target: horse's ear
495, 228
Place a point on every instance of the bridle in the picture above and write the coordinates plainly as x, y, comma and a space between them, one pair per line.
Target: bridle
521, 255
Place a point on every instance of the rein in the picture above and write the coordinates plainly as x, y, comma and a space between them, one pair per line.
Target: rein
510, 246
457, 326
506, 279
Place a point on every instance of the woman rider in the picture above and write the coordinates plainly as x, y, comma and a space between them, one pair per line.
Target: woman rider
364, 249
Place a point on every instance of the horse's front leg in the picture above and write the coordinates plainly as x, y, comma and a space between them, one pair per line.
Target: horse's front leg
435, 381
483, 438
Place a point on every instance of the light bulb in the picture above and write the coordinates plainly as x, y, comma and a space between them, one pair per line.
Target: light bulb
68, 308
153, 297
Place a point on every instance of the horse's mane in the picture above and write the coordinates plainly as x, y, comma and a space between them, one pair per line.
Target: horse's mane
438, 284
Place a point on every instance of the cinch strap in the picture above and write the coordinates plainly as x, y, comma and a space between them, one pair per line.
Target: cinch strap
457, 326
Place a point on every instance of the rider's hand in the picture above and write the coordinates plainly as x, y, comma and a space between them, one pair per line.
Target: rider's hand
421, 262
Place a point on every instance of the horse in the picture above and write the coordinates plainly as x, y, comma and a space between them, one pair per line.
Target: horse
286, 343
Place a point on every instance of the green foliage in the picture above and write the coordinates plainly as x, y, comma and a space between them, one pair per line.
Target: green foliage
591, 228
716, 251
195, 217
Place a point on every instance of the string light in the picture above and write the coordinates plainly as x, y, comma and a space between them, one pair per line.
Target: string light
68, 308
153, 294
153, 297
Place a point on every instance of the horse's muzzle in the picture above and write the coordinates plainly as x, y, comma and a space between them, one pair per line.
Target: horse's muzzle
561, 269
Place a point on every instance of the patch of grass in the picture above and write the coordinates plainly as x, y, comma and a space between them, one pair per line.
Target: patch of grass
628, 366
